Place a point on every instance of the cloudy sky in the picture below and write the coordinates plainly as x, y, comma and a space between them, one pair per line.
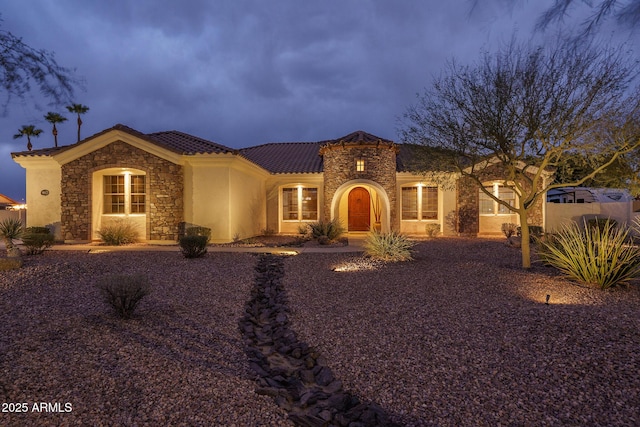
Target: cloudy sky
248, 72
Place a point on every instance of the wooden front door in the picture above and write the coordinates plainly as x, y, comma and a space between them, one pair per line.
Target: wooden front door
359, 212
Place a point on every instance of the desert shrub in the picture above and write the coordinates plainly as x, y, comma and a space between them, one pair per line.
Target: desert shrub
303, 229
200, 231
37, 239
193, 246
119, 232
331, 230
388, 246
123, 292
432, 230
509, 229
268, 232
601, 223
594, 256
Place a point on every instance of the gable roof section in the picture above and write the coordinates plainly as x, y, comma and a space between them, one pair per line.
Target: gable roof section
177, 142
286, 157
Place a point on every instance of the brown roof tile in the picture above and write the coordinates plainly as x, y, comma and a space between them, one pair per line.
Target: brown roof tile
187, 144
4, 200
175, 141
286, 157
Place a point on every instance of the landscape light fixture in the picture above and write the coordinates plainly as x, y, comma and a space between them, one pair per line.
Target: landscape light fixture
547, 299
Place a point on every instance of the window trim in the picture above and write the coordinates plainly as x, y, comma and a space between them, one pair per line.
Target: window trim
300, 203
420, 203
497, 207
128, 194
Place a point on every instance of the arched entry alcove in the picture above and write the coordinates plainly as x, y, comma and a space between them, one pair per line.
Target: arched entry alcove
378, 204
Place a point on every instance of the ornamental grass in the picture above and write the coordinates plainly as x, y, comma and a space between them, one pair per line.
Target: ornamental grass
596, 256
390, 247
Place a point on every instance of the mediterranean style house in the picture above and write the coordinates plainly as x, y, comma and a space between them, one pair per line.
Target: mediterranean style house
167, 181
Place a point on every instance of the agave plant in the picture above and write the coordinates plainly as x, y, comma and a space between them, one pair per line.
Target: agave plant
11, 229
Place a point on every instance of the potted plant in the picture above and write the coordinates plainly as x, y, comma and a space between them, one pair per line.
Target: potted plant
11, 229
377, 213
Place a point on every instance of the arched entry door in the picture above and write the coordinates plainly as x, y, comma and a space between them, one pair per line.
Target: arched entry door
359, 211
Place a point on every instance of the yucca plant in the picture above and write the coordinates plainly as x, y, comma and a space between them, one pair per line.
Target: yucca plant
596, 256
11, 229
390, 246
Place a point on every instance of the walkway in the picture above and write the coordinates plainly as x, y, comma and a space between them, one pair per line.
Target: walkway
355, 245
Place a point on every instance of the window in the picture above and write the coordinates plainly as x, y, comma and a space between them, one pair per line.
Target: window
419, 202
429, 202
409, 202
114, 194
488, 206
124, 194
299, 203
310, 203
138, 200
360, 165
289, 203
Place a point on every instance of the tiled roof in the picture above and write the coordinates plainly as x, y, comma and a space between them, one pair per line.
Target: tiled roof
286, 157
359, 138
175, 141
187, 144
4, 200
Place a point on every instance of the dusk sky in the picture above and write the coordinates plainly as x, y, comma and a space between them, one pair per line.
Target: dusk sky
243, 73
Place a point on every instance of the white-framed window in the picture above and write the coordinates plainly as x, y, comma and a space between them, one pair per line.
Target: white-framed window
299, 203
124, 194
489, 206
420, 203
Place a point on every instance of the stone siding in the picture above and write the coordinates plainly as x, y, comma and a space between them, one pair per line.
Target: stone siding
380, 167
164, 191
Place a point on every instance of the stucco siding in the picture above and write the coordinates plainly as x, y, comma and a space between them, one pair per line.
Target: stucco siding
43, 180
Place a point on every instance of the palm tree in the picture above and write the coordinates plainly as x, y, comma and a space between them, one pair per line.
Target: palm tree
78, 109
54, 118
28, 131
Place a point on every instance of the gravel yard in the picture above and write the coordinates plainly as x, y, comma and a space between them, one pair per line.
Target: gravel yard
460, 336
180, 361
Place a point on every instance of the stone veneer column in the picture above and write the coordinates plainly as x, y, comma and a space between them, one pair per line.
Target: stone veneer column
340, 167
164, 183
